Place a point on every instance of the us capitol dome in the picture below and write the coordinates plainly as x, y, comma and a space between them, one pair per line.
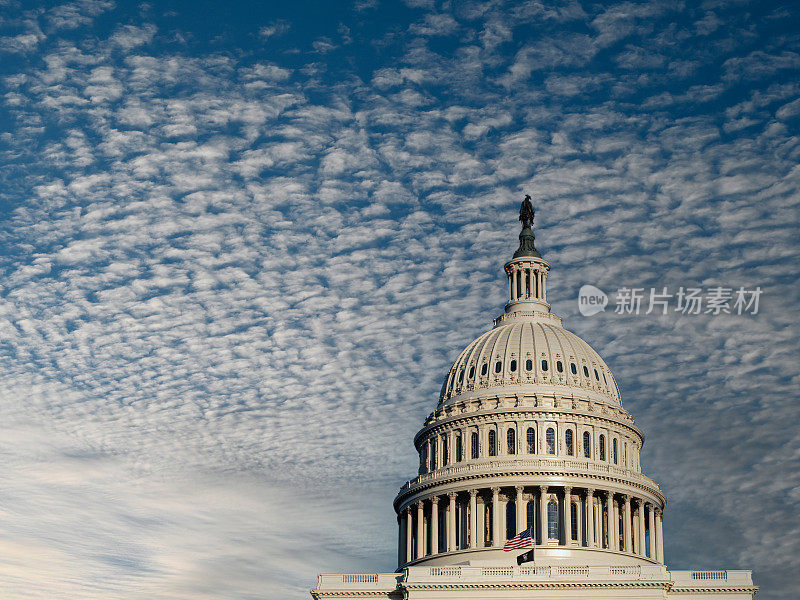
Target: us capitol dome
529, 434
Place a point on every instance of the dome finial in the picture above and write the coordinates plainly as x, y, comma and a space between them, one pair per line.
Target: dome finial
526, 237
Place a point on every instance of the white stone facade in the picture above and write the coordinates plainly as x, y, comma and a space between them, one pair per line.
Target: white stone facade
530, 432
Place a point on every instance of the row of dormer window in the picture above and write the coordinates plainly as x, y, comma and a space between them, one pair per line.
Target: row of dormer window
498, 368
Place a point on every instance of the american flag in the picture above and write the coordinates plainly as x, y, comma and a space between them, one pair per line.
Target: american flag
524, 539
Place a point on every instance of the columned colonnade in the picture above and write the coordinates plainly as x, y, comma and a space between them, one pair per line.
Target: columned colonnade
561, 516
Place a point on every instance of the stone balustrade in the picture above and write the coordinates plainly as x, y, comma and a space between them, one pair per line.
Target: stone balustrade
537, 573
738, 579
534, 573
367, 581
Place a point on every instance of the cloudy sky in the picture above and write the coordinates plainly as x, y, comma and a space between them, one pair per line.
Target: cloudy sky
240, 245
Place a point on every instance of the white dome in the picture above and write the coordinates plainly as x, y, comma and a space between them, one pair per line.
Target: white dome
532, 353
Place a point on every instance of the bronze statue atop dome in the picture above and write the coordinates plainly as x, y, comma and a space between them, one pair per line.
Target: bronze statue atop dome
526, 212
526, 237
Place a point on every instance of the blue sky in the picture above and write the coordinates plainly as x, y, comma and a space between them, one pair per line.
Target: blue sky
241, 243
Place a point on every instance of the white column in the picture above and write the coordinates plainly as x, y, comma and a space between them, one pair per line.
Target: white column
642, 538
451, 523
420, 531
610, 519
651, 524
543, 512
495, 517
514, 275
544, 290
568, 516
473, 518
626, 524
409, 534
590, 518
401, 543
520, 511
659, 538
434, 525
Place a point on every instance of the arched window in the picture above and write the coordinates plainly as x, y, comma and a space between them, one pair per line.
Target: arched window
602, 447
459, 448
574, 520
498, 366
511, 519
596, 375
531, 440
587, 445
573, 368
475, 449
625, 454
472, 371
492, 443
513, 365
559, 366
550, 440
614, 451
530, 514
445, 451
433, 455
511, 441
529, 365
569, 442
552, 520
544, 365
585, 370
484, 369
423, 458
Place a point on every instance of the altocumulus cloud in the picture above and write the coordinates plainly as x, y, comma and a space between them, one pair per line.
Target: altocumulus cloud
239, 248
